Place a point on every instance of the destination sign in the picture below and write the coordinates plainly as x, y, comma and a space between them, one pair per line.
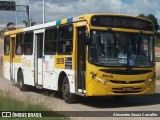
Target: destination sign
121, 22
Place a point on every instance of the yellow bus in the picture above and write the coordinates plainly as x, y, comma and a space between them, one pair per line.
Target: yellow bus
88, 55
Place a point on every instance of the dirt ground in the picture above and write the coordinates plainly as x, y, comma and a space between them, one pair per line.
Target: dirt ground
1, 46
157, 51
158, 68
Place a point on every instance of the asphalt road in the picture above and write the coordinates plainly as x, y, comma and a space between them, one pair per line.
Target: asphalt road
55, 102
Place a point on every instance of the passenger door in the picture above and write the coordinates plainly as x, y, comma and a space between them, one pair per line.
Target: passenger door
39, 37
12, 56
81, 59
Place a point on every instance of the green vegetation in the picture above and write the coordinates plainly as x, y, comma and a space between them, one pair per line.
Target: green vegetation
157, 59
157, 77
1, 45
152, 18
156, 27
9, 104
157, 42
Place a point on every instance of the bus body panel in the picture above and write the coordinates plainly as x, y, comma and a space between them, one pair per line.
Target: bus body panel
6, 67
115, 82
28, 69
63, 65
17, 64
49, 74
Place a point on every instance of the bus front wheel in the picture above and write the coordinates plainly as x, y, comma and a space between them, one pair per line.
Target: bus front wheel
67, 96
22, 86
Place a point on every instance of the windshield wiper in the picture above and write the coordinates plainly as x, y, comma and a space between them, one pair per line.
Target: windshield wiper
116, 38
139, 36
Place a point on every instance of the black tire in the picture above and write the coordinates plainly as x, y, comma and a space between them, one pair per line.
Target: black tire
67, 96
22, 86
119, 98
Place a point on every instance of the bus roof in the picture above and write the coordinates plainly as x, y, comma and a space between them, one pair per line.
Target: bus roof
67, 21
13, 32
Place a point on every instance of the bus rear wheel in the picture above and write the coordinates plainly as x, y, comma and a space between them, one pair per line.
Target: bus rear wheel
67, 96
22, 86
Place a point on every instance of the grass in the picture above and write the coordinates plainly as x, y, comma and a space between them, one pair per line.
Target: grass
157, 77
9, 104
157, 43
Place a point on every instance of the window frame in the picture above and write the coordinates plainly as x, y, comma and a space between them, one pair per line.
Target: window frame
53, 30
28, 43
4, 49
22, 43
58, 39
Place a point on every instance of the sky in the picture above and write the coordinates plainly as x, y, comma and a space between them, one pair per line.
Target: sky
59, 9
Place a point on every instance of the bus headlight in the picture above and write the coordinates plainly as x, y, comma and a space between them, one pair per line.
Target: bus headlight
150, 80
99, 80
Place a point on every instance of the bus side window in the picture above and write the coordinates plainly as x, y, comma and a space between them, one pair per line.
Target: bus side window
28, 43
28, 50
50, 41
6, 45
19, 44
65, 39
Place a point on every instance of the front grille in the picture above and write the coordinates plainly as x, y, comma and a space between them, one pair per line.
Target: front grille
127, 82
126, 91
120, 90
125, 72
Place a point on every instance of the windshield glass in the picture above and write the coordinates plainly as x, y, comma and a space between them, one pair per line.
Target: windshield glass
121, 49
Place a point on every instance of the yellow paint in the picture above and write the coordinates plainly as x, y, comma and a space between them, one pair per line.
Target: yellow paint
13, 32
74, 53
13, 36
64, 21
121, 30
60, 61
59, 65
6, 58
17, 59
96, 88
83, 23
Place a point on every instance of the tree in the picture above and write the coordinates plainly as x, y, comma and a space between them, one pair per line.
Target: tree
9, 24
27, 24
142, 15
152, 18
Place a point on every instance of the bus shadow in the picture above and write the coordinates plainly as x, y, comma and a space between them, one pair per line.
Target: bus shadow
130, 101
104, 102
44, 92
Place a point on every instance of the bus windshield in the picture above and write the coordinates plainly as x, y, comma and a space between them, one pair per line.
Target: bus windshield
121, 49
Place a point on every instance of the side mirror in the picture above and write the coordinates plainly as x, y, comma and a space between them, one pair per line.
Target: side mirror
87, 39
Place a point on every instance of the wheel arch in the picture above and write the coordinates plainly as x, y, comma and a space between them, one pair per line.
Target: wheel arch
19, 69
60, 80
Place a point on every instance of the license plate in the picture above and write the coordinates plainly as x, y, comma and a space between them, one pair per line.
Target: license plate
128, 89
